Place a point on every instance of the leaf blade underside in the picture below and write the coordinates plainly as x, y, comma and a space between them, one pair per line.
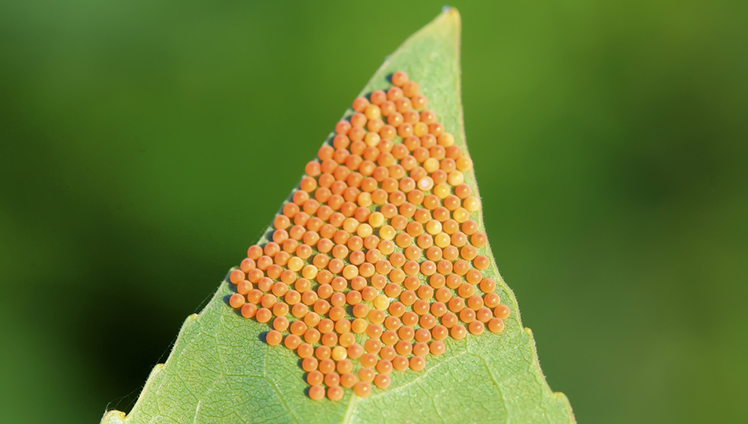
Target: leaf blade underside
221, 371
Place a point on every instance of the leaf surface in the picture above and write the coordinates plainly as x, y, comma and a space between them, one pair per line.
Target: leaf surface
221, 370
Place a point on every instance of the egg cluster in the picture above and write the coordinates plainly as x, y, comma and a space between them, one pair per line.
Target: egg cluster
376, 258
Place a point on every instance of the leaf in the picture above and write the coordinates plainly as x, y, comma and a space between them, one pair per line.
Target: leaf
222, 371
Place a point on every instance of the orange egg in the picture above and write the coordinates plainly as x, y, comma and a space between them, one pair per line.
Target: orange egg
362, 389
399, 78
458, 332
382, 381
316, 392
496, 325
437, 347
417, 363
419, 101
502, 312
348, 380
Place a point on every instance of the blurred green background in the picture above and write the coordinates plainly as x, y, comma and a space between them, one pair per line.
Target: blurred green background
145, 144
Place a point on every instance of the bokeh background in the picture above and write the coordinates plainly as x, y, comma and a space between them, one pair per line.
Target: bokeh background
145, 144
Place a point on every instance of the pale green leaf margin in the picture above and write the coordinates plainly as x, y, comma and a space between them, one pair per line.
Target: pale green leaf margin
221, 372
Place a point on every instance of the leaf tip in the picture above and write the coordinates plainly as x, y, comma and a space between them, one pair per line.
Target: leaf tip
564, 400
452, 15
451, 11
113, 417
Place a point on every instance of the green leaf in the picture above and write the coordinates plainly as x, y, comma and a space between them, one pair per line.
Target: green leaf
221, 371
